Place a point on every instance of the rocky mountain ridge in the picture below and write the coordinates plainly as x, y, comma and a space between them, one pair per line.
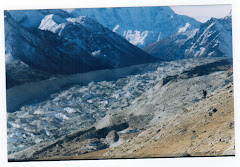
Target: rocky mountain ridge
62, 45
213, 38
140, 25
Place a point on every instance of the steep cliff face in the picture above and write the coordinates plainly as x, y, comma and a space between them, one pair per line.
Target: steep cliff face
213, 38
140, 25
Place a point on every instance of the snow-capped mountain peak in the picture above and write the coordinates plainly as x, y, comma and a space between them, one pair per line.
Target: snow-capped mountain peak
59, 44
47, 23
213, 38
140, 25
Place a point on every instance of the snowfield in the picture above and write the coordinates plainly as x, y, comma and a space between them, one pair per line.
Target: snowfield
44, 111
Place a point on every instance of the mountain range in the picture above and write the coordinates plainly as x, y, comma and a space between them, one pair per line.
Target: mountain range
59, 44
211, 39
44, 43
140, 25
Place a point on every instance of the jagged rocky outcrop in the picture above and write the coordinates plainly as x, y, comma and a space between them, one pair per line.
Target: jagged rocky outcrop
213, 38
140, 25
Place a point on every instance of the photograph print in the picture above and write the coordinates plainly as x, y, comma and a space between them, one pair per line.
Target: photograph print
122, 82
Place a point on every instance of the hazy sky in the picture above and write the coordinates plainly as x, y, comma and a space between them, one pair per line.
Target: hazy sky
203, 13
200, 13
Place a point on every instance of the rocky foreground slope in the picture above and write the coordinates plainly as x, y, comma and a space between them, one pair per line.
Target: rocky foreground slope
168, 118
203, 129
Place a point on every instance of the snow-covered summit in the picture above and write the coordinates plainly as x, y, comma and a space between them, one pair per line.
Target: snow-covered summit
61, 44
140, 25
47, 23
43, 50
213, 38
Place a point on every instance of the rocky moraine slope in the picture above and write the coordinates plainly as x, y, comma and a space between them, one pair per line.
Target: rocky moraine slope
112, 114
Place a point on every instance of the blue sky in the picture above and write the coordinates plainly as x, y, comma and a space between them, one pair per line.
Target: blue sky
203, 13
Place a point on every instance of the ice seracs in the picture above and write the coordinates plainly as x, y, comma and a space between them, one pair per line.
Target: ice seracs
94, 104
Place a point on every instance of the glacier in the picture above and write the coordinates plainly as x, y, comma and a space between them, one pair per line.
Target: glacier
81, 106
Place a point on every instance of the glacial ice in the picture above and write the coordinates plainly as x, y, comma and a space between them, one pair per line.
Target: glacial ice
82, 105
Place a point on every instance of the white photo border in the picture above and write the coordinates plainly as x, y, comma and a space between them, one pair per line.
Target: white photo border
64, 4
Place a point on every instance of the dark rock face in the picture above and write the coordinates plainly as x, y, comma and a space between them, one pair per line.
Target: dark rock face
40, 51
103, 44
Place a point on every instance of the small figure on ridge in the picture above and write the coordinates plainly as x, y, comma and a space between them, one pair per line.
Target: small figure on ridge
204, 94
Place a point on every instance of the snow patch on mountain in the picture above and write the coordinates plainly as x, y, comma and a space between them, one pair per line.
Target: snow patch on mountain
200, 52
170, 48
152, 19
183, 29
80, 19
96, 53
159, 36
136, 37
206, 33
47, 23
33, 18
115, 28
